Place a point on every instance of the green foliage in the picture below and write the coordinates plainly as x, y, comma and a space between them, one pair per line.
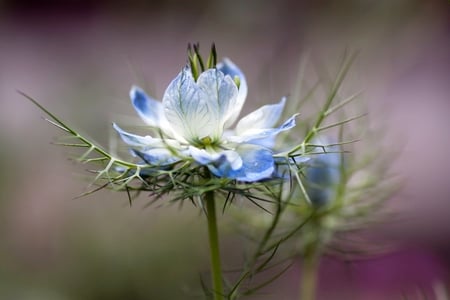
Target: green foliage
297, 229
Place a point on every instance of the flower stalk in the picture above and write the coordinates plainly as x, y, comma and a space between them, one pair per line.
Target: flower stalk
310, 272
214, 248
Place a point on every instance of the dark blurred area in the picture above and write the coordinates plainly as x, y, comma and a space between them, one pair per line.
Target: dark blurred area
80, 58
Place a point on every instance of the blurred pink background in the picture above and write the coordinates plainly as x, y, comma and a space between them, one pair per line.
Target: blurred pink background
80, 58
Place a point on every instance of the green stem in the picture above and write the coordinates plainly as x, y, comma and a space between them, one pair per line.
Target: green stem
310, 272
213, 235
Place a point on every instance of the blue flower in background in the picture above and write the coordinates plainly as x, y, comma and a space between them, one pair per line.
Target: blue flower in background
194, 120
323, 173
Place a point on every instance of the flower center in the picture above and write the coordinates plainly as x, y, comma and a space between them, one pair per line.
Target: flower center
207, 143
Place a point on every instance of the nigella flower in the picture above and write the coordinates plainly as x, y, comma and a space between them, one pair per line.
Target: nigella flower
194, 120
323, 173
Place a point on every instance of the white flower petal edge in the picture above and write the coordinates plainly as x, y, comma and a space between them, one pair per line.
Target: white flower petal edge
152, 151
144, 141
187, 110
221, 95
254, 134
203, 157
227, 67
262, 118
156, 156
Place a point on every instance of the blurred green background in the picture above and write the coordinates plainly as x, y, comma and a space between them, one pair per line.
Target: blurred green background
79, 58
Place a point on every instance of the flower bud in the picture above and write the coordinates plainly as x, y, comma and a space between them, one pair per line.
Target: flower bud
323, 174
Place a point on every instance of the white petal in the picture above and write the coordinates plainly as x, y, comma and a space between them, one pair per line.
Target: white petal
262, 118
186, 108
202, 156
227, 67
221, 93
144, 141
264, 133
133, 139
156, 156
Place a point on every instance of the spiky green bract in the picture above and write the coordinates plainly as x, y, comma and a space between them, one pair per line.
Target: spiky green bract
365, 181
356, 201
297, 227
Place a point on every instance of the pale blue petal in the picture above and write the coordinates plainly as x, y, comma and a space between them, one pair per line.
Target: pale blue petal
262, 118
221, 94
150, 110
222, 167
133, 139
256, 163
253, 135
227, 67
204, 157
144, 141
268, 142
156, 156
186, 108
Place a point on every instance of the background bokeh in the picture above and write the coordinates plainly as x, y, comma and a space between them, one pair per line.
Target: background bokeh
79, 59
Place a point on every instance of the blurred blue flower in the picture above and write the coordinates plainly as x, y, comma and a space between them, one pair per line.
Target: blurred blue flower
194, 120
323, 173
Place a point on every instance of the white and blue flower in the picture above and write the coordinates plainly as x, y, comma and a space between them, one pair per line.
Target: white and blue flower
194, 120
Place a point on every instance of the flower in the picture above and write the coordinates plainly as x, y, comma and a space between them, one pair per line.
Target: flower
194, 120
323, 173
